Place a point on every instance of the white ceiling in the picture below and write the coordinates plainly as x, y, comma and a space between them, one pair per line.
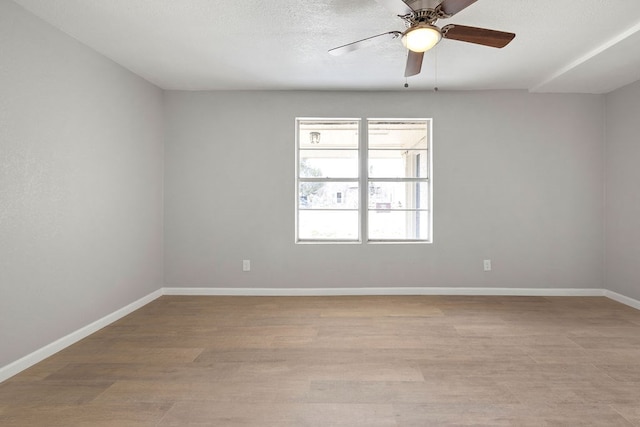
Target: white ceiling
590, 46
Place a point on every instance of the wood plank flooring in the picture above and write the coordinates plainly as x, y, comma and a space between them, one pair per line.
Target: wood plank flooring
343, 361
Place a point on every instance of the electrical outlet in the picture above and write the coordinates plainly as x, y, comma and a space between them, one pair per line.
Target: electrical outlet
487, 265
246, 265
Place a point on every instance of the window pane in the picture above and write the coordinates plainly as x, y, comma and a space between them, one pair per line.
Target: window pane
327, 225
398, 195
323, 134
328, 163
398, 225
398, 163
328, 195
401, 134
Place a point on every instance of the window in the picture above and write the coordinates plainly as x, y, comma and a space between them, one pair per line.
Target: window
363, 180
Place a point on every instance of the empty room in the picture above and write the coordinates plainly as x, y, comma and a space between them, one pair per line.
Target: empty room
319, 213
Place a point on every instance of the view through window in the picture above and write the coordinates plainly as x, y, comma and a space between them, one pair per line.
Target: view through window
363, 180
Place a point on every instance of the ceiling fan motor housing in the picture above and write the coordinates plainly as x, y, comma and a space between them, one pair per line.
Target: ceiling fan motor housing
422, 16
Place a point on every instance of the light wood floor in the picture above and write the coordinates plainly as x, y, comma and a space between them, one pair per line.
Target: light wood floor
343, 361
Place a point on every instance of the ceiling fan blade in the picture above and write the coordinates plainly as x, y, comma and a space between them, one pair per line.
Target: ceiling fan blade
451, 7
476, 35
398, 7
414, 63
350, 47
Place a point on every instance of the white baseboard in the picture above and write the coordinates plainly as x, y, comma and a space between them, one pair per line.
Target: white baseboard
622, 299
50, 349
381, 291
31, 359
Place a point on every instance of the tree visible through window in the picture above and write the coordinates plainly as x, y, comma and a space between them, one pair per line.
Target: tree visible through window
363, 180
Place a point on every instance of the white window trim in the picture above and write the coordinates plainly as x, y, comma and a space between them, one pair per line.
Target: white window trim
363, 182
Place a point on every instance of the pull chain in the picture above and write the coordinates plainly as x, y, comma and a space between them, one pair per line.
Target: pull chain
435, 73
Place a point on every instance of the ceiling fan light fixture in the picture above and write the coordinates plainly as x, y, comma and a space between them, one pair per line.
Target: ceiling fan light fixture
421, 38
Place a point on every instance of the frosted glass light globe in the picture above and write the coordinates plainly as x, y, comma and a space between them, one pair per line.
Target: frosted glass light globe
421, 38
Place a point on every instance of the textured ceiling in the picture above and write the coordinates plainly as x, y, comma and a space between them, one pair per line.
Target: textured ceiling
590, 46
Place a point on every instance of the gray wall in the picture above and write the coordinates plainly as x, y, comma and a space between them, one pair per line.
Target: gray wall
518, 178
622, 191
80, 185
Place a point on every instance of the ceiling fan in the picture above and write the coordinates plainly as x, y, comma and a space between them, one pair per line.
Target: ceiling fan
422, 34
